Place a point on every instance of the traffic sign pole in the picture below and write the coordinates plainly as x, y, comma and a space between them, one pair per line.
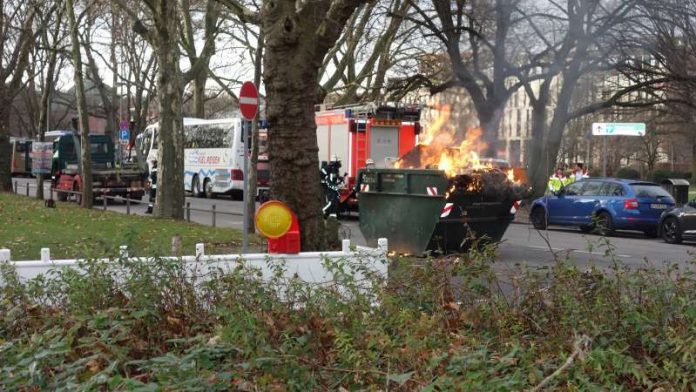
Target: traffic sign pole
245, 191
248, 106
604, 162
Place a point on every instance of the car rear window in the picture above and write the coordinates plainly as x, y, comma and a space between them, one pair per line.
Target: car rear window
649, 190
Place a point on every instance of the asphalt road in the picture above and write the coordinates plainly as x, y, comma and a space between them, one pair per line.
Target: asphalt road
521, 245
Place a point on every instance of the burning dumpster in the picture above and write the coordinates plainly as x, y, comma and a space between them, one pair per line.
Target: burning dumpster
438, 198
423, 210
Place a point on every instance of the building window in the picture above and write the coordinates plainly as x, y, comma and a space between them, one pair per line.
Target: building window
519, 122
528, 128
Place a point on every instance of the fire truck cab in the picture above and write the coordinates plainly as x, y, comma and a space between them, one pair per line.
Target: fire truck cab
353, 134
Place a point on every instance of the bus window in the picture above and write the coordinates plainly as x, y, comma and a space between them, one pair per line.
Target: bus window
208, 136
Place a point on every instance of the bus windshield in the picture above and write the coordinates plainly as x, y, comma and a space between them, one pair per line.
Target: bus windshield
209, 136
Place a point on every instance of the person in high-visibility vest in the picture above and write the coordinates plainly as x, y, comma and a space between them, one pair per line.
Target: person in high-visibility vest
556, 181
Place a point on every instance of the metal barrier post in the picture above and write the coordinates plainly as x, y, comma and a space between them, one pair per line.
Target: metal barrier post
127, 205
213, 215
27, 189
16, 189
105, 201
188, 211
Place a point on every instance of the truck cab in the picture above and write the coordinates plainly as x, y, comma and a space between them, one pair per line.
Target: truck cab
106, 177
21, 157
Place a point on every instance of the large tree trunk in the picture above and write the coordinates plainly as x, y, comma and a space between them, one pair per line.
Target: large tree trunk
538, 163
199, 93
83, 116
290, 77
490, 124
5, 146
292, 148
45, 113
113, 118
693, 162
12, 71
110, 105
170, 176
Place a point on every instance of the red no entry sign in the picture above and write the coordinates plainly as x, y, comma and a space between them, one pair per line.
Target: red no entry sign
248, 100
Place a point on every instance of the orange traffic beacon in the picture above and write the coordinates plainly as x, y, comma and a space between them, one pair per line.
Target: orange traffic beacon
276, 221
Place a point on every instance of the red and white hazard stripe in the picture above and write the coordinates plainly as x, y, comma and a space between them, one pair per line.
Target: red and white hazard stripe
515, 206
446, 210
364, 187
432, 191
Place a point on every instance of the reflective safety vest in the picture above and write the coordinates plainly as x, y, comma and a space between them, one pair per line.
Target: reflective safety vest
555, 183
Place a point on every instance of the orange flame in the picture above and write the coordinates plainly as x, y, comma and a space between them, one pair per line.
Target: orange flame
440, 149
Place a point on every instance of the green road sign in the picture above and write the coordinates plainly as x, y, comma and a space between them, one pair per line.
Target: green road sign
618, 129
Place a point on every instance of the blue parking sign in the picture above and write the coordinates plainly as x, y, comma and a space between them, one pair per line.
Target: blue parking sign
125, 134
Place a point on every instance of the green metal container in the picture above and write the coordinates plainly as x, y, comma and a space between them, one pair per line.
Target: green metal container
405, 206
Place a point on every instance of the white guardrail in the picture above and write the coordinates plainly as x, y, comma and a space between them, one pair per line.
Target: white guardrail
310, 267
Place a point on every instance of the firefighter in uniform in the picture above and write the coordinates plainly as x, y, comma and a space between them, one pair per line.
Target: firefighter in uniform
331, 180
153, 187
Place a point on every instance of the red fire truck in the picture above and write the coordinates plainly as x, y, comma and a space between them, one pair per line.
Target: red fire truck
353, 134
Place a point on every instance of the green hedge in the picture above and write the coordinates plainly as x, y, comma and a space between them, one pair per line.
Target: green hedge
436, 325
660, 175
628, 173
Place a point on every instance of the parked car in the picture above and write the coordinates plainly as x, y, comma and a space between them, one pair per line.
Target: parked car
604, 205
679, 223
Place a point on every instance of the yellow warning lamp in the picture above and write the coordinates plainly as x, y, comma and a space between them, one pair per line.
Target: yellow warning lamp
276, 221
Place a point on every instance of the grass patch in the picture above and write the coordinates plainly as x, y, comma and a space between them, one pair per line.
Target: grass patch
70, 231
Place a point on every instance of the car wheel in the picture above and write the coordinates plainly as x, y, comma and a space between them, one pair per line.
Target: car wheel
196, 187
605, 225
208, 186
650, 233
538, 218
671, 232
586, 228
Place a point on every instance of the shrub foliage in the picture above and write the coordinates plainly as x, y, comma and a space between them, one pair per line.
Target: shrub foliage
437, 324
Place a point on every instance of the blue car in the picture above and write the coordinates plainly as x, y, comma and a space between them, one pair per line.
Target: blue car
604, 205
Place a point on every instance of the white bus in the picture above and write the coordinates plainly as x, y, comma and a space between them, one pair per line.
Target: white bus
213, 156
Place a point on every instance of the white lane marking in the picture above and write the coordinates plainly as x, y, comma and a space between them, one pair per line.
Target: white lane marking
599, 253
542, 247
576, 251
